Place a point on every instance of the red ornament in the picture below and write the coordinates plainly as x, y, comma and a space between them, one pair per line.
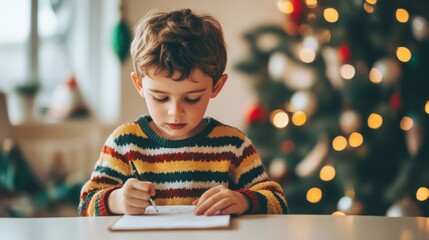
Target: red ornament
287, 146
296, 14
257, 114
344, 51
71, 82
395, 101
294, 19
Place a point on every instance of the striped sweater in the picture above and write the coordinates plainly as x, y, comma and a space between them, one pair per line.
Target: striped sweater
181, 170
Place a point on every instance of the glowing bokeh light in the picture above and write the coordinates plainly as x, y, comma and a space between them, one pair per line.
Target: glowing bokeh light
403, 54
422, 194
406, 123
327, 173
347, 71
338, 213
311, 3
331, 15
368, 8
375, 121
339, 143
402, 15
314, 195
355, 139
299, 118
279, 118
307, 55
285, 6
375, 75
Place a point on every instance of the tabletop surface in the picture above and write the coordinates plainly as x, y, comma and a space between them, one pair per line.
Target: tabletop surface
242, 228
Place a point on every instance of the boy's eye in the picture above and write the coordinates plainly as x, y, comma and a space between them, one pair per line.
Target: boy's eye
192, 100
161, 100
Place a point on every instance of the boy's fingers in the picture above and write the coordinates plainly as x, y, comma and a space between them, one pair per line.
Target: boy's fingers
218, 207
145, 187
138, 203
144, 196
204, 205
207, 194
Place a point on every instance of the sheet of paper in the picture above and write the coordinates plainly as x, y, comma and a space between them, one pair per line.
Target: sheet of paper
170, 217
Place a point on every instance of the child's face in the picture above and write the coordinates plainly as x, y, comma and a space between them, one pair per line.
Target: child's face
177, 107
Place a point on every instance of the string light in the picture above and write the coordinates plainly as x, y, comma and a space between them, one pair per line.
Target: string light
314, 195
327, 173
299, 118
368, 8
403, 54
339, 143
307, 55
375, 121
338, 213
375, 76
422, 194
355, 139
402, 15
373, 2
279, 118
311, 3
331, 15
347, 71
406, 123
285, 6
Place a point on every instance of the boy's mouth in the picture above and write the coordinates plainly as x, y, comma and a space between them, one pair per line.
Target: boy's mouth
176, 125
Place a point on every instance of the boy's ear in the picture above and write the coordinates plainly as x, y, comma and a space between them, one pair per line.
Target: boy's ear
137, 83
219, 85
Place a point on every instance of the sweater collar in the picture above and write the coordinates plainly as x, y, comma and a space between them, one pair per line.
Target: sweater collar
144, 121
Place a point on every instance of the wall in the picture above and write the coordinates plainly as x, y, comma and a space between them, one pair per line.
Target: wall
236, 17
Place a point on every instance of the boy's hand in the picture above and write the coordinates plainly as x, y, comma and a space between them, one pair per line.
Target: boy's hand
221, 199
132, 198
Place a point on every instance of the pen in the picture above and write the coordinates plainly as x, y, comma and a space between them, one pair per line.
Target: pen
136, 175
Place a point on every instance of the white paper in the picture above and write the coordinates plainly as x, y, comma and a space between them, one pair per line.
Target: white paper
170, 217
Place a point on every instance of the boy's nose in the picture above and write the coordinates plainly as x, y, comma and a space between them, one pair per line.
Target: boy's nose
176, 109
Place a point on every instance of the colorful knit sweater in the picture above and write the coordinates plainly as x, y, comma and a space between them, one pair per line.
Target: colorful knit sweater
181, 170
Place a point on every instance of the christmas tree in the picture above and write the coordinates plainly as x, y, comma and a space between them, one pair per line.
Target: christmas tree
342, 118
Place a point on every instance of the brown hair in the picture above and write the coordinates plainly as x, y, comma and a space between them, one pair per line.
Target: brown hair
179, 41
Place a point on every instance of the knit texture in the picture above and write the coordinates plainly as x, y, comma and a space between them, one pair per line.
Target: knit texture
182, 170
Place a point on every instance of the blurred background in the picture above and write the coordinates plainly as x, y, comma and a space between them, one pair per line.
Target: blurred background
334, 94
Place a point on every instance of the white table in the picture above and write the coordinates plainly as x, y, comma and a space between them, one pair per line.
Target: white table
266, 227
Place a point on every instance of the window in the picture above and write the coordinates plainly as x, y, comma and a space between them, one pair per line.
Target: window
73, 39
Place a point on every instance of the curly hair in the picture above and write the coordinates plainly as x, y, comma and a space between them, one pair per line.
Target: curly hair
179, 41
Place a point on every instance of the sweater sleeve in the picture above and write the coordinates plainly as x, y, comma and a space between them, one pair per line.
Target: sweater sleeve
265, 196
110, 173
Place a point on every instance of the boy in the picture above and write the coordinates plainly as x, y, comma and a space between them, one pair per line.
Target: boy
184, 158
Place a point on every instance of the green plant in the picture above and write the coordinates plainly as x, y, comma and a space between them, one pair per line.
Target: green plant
28, 88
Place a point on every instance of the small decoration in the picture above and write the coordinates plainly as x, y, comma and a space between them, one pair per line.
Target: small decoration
22, 102
257, 114
395, 101
344, 51
67, 101
122, 38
